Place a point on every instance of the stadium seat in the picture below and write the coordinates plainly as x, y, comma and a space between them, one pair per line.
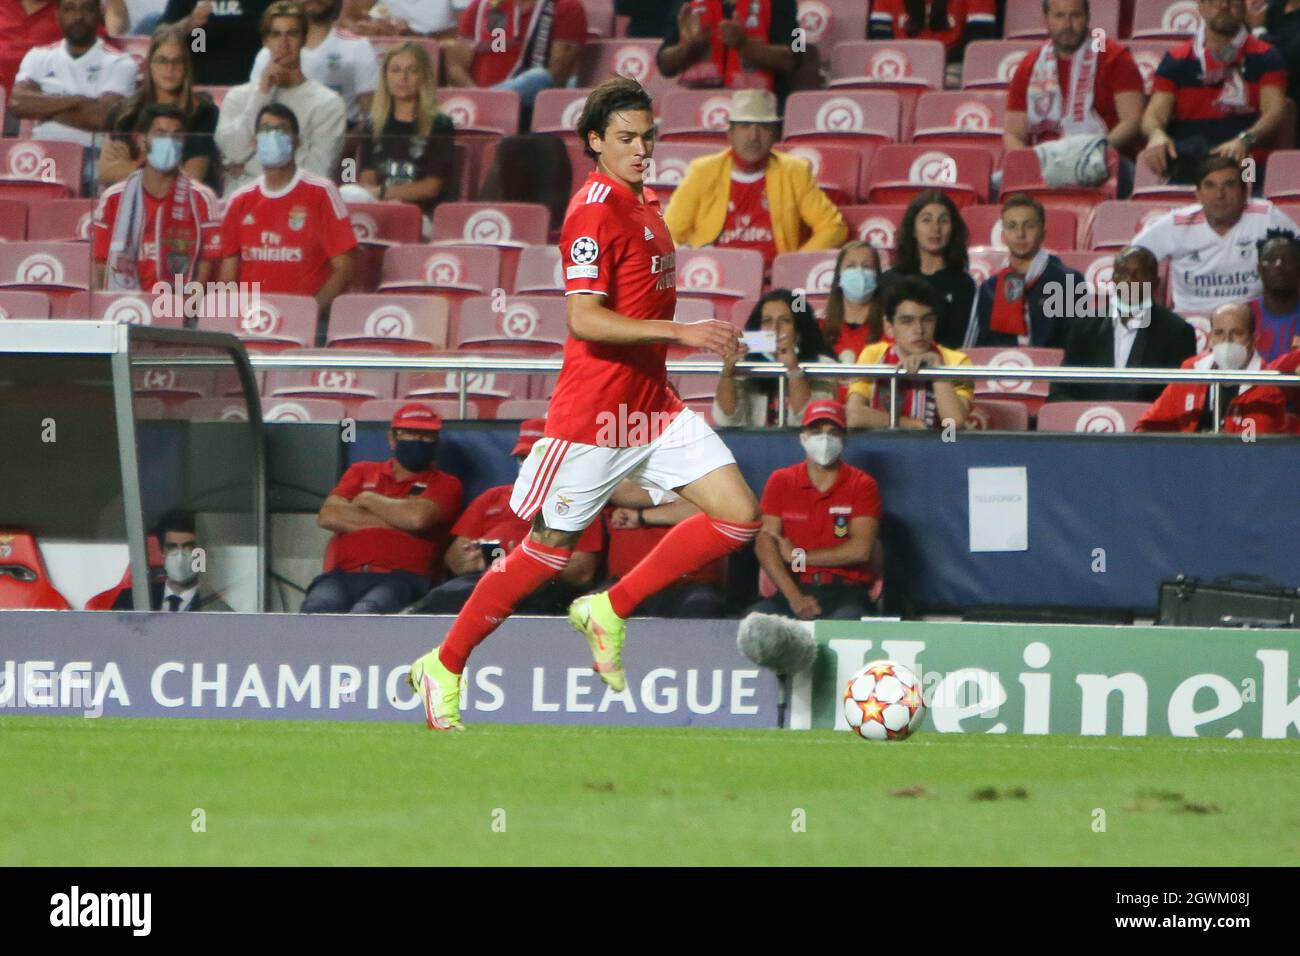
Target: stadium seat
557, 111
1024, 21
875, 225
1032, 394
383, 410
695, 116
400, 325
303, 410
600, 18
274, 323
984, 262
228, 409
837, 168
989, 64
899, 172
669, 165
509, 225
1115, 223
1147, 54
379, 225
56, 268
698, 310
1023, 173
61, 220
1159, 20
24, 305
24, 581
1090, 416
480, 117
523, 408
351, 387
722, 275
170, 385
39, 169
1283, 181
454, 272
1201, 326
1149, 187
528, 326
580, 164
487, 390
540, 271
847, 118
985, 225
697, 388
997, 415
132, 308
809, 271
13, 219
961, 118
902, 65
601, 59
827, 23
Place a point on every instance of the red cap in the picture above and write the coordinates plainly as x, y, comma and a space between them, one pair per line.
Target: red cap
529, 431
417, 416
825, 410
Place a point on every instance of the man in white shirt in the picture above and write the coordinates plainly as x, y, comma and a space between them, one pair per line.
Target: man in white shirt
321, 114
343, 61
435, 18
69, 87
1211, 246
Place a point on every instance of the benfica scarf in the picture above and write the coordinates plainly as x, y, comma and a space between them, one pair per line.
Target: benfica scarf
916, 399
722, 67
537, 39
175, 235
1010, 299
1049, 116
1227, 72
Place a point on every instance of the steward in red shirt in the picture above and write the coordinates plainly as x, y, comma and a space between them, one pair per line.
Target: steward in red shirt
390, 521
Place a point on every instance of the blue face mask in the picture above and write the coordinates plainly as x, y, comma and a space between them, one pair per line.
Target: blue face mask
164, 153
274, 148
857, 284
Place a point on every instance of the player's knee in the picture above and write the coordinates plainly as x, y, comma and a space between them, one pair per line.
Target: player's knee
553, 538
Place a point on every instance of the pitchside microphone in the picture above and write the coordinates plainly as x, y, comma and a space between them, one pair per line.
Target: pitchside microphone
780, 643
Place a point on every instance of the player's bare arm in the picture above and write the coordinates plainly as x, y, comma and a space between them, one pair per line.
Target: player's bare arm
590, 320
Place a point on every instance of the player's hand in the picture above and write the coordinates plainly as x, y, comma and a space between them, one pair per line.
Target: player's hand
1160, 150
623, 518
1235, 149
710, 335
732, 34
805, 607
202, 10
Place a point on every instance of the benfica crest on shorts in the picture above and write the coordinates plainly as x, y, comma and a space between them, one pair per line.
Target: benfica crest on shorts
297, 218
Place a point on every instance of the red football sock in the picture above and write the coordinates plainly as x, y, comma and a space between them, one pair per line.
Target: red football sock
688, 547
496, 596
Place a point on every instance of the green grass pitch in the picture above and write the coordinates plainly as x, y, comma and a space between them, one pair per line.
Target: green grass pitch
124, 792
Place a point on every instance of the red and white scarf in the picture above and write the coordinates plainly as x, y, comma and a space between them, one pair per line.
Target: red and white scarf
1011, 298
537, 38
176, 237
915, 397
1049, 115
722, 67
1226, 72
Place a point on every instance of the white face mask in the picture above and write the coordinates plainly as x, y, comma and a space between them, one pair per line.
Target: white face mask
824, 449
1231, 356
179, 569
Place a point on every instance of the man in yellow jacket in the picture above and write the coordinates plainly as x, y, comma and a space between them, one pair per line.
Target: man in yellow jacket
749, 197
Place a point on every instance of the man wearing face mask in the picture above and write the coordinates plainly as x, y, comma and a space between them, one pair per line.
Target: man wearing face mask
391, 521
820, 521
1186, 407
178, 589
157, 223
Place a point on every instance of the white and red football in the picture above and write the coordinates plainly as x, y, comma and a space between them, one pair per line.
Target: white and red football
883, 702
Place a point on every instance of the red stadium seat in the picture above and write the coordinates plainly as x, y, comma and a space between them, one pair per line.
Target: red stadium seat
843, 118
1022, 173
131, 308
480, 117
523, 408
229, 409
1115, 223
453, 272
39, 169
1147, 54
24, 305
540, 271
506, 224
722, 275
961, 118
996, 415
1024, 21
58, 268
303, 410
695, 116
24, 581
1090, 416
580, 164
903, 65
698, 310
351, 387
601, 59
385, 223
273, 323
13, 218
401, 325
557, 111
810, 271
600, 18
828, 23
383, 409
487, 390
1161, 20
900, 172
985, 225
1033, 394
836, 168
530, 325
1149, 187
989, 64
984, 262
697, 388
1283, 180
874, 225
61, 220
172, 386
669, 165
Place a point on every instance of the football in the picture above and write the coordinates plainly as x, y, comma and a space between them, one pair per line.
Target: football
883, 702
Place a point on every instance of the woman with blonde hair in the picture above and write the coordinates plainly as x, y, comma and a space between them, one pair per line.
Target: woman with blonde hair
167, 77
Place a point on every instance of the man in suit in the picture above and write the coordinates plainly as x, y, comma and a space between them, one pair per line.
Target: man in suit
178, 590
1133, 332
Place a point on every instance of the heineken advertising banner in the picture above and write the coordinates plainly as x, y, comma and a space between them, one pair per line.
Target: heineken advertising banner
1066, 679
336, 667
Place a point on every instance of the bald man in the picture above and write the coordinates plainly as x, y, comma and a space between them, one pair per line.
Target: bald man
1131, 331
1186, 407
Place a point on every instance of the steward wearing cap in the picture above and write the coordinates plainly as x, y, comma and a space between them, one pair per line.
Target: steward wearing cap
391, 521
820, 522
750, 197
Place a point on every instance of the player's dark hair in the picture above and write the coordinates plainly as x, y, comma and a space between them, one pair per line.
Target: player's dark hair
909, 253
1285, 235
159, 111
281, 111
177, 519
916, 19
1212, 164
618, 94
1021, 199
909, 289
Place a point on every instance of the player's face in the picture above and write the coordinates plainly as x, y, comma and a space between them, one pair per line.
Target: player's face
403, 77
78, 19
912, 328
1067, 23
752, 142
1223, 196
167, 67
627, 146
1223, 16
1022, 231
283, 41
1279, 266
933, 228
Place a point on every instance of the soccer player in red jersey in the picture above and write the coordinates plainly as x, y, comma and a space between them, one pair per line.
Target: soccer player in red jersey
613, 415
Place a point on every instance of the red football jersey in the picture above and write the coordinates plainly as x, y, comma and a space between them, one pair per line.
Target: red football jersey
619, 247
286, 239
749, 221
489, 518
497, 33
960, 12
180, 232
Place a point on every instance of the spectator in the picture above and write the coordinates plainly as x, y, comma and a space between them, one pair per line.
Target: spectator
489, 530
638, 520
178, 589
1281, 22
319, 111
954, 23
522, 45
1184, 406
795, 338
911, 310
1211, 245
168, 77
646, 18
717, 43
288, 230
69, 86
1277, 309
820, 521
852, 314
1218, 94
407, 152
390, 18
230, 34
390, 521
24, 25
1135, 332
1021, 305
932, 241
751, 197
338, 59
159, 223
1072, 88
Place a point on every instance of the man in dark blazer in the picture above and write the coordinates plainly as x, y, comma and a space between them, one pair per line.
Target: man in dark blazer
1133, 332
178, 589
